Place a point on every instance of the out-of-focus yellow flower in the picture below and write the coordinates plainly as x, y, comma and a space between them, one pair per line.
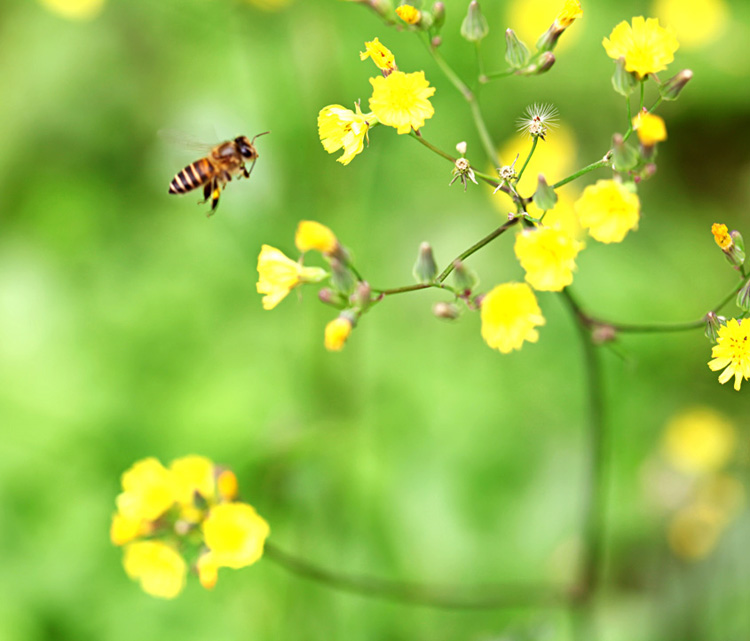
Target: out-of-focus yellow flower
149, 491
235, 535
227, 486
123, 530
341, 128
723, 492
313, 235
159, 568
548, 256
270, 5
75, 9
732, 352
695, 22
401, 100
650, 129
608, 210
531, 18
380, 55
563, 214
555, 157
509, 315
193, 474
570, 12
699, 441
208, 571
279, 274
409, 14
721, 236
336, 333
646, 46
694, 531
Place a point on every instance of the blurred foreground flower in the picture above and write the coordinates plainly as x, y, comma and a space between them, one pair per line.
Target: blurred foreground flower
401, 100
695, 22
312, 235
609, 210
646, 46
336, 333
75, 9
278, 275
732, 352
510, 314
172, 507
650, 129
341, 128
542, 20
699, 441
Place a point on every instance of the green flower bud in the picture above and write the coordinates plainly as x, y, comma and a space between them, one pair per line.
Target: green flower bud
544, 197
341, 277
743, 297
425, 269
542, 64
516, 52
625, 156
438, 16
623, 81
447, 311
464, 278
362, 296
713, 323
474, 27
670, 90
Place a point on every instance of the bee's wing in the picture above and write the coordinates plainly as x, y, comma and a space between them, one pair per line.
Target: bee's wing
180, 139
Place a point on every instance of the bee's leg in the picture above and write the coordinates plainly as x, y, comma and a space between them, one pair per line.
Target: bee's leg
214, 197
244, 171
207, 189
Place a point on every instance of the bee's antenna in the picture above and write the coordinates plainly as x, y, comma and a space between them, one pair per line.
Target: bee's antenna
256, 157
258, 136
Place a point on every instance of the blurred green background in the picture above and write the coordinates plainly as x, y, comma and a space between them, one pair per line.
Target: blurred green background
130, 327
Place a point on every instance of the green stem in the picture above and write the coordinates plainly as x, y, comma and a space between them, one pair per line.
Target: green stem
528, 158
655, 105
643, 94
495, 75
446, 598
604, 162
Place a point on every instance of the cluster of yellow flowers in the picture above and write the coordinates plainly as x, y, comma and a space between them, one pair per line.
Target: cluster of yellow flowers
691, 482
400, 100
188, 510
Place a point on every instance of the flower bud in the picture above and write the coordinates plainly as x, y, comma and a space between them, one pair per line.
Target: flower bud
624, 156
544, 197
362, 296
341, 278
713, 323
447, 311
474, 27
731, 244
425, 269
623, 81
464, 278
438, 16
337, 332
329, 297
461, 148
409, 14
541, 65
516, 52
670, 89
567, 16
743, 297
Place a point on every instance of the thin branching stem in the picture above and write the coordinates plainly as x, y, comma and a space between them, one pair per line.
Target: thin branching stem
528, 158
487, 597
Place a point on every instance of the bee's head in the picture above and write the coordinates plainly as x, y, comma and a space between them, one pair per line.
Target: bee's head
245, 147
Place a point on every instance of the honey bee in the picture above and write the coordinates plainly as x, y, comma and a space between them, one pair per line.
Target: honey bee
216, 169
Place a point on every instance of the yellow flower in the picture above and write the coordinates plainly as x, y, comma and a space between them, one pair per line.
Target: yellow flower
646, 47
337, 331
123, 530
401, 100
208, 571
695, 530
279, 274
699, 441
570, 11
608, 210
409, 14
193, 474
563, 214
509, 314
695, 22
159, 568
650, 129
732, 351
548, 255
380, 55
235, 534
312, 235
531, 18
75, 9
721, 236
149, 491
227, 486
341, 128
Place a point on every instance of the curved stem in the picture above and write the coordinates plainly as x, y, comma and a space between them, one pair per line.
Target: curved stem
495, 75
604, 162
488, 597
528, 158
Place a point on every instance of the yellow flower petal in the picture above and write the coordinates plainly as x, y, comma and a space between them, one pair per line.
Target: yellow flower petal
410, 15
650, 129
548, 255
341, 128
646, 47
401, 100
159, 568
509, 315
235, 534
336, 333
608, 210
312, 235
75, 9
149, 491
193, 474
380, 55
279, 274
732, 351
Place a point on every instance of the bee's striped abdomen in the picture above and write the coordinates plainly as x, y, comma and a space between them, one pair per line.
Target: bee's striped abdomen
192, 176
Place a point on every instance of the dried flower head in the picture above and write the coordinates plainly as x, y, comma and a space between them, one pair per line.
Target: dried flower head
462, 171
537, 119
